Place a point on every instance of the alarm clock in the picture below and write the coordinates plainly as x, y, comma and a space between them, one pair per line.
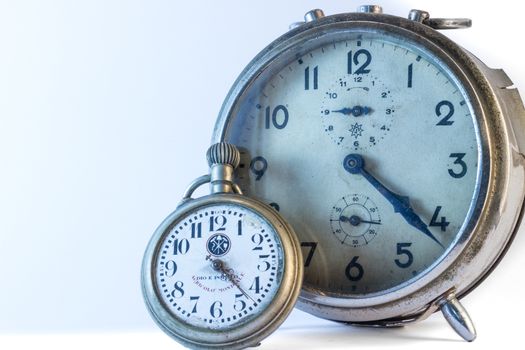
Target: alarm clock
395, 154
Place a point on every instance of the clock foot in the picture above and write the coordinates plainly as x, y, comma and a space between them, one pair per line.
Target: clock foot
457, 317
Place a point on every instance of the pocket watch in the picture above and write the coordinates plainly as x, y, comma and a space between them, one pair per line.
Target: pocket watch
223, 270
396, 155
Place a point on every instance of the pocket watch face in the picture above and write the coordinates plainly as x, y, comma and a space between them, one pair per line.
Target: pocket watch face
218, 267
367, 142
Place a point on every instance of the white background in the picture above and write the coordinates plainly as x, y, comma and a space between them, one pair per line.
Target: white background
106, 111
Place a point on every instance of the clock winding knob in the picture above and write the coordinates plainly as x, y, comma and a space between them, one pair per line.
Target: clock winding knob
223, 153
370, 9
222, 158
313, 15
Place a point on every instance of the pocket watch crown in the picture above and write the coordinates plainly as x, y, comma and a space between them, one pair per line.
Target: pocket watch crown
223, 153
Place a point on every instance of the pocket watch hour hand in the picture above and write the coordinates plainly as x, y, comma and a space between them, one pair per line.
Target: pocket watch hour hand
355, 164
218, 265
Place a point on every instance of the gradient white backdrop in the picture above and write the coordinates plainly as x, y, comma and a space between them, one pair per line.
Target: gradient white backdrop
106, 111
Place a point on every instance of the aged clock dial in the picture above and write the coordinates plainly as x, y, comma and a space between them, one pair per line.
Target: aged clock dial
393, 105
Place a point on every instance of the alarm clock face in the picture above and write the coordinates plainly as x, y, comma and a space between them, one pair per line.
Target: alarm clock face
367, 141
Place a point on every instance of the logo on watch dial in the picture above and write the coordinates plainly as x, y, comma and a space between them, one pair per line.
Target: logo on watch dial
218, 245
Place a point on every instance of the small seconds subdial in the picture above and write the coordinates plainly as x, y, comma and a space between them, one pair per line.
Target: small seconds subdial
357, 112
355, 220
219, 267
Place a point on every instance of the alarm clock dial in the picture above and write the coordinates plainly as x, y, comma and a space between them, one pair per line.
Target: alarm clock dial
219, 267
367, 143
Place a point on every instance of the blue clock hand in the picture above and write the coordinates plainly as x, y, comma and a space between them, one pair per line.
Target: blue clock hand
355, 164
356, 111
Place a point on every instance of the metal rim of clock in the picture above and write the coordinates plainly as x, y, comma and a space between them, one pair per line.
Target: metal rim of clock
245, 334
483, 242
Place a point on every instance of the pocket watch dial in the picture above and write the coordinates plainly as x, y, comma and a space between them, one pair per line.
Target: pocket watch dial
219, 267
367, 116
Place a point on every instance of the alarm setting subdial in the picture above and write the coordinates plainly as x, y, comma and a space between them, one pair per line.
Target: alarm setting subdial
355, 220
357, 112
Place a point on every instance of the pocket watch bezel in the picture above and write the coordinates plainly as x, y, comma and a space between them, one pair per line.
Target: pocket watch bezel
248, 333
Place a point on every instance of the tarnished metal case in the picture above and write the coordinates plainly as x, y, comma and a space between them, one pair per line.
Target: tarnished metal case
247, 334
499, 205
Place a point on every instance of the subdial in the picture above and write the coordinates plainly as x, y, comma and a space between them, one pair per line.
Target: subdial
358, 111
355, 220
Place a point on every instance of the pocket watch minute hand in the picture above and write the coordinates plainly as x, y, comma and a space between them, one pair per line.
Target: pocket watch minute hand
355, 164
218, 265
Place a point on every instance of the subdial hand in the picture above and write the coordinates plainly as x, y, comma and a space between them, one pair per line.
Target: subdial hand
356, 111
218, 265
355, 164
355, 220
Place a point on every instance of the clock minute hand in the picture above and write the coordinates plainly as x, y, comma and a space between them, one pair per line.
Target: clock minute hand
355, 164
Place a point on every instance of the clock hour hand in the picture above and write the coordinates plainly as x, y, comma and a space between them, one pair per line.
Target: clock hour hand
356, 111
355, 164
